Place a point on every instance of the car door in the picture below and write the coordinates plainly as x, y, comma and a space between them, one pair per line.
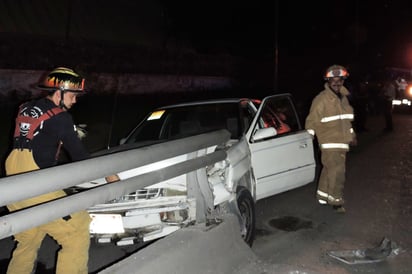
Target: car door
281, 150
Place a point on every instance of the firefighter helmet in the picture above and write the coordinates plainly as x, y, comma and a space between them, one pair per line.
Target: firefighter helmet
63, 79
336, 71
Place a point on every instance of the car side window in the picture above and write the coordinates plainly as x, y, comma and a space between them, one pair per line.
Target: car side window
278, 112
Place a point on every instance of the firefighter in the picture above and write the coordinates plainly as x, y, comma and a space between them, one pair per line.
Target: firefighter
388, 95
330, 119
43, 128
401, 86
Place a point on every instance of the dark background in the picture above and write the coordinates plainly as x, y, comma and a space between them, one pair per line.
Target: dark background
274, 43
266, 46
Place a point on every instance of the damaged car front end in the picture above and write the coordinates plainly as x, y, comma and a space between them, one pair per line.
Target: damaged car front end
203, 195
268, 152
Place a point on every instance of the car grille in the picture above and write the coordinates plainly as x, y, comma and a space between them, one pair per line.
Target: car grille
142, 194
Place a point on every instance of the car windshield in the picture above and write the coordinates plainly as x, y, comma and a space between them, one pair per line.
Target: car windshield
184, 121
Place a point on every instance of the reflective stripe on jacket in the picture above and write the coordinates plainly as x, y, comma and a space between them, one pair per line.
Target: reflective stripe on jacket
330, 119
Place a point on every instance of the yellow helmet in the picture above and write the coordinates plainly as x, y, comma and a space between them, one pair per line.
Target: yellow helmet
63, 79
336, 71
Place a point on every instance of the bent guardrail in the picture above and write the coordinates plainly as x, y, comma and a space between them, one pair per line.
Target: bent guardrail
47, 180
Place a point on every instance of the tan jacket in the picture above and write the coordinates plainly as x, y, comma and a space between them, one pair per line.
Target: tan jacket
330, 119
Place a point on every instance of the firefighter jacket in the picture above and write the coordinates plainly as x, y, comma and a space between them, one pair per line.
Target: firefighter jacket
40, 131
330, 119
42, 128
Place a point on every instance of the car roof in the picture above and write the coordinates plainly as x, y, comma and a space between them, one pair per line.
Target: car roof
205, 102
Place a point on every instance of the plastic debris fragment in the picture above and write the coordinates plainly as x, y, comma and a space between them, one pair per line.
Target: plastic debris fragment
386, 248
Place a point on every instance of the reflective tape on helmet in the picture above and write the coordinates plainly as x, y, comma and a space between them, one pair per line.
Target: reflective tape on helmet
64, 79
334, 145
336, 71
337, 117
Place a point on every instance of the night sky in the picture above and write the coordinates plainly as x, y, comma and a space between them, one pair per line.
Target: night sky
379, 31
362, 33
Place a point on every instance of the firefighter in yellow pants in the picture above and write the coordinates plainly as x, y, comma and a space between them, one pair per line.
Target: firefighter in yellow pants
43, 126
332, 177
330, 119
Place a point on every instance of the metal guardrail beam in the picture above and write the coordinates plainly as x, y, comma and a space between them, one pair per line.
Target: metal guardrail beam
23, 186
19, 221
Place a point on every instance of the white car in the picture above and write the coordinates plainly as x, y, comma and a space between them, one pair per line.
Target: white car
269, 152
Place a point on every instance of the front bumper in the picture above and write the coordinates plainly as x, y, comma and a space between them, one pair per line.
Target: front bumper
140, 221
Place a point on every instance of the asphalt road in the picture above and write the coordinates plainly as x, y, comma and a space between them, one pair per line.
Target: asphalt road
294, 233
294, 230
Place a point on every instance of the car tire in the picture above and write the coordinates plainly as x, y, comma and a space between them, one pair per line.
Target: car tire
246, 207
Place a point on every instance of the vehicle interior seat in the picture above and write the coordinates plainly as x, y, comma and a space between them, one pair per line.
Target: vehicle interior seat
232, 126
189, 127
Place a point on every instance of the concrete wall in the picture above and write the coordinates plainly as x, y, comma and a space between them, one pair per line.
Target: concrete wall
21, 84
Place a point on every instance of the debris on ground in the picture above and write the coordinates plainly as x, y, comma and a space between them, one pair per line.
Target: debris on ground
385, 249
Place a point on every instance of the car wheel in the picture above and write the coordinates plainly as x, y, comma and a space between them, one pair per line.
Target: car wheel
246, 207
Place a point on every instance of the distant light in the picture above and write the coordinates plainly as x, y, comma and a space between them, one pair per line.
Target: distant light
406, 102
410, 91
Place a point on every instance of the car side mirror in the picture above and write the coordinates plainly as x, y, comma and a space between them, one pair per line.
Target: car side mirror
264, 133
